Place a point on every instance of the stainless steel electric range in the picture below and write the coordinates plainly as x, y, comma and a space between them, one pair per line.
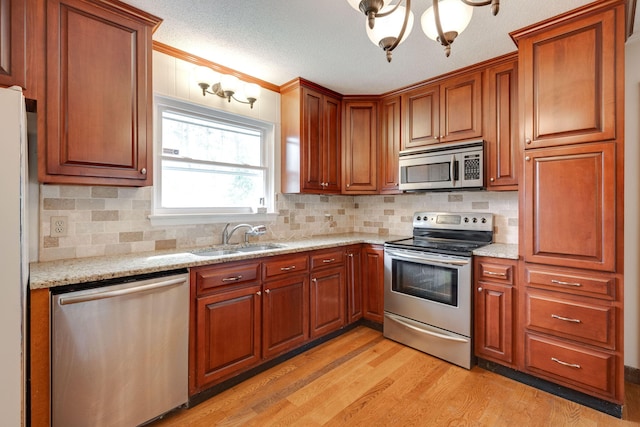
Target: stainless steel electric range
427, 283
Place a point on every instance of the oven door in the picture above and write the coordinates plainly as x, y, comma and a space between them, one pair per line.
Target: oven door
430, 288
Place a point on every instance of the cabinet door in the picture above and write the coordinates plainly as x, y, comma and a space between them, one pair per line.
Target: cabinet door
493, 321
228, 334
285, 314
327, 301
332, 154
421, 117
390, 139
501, 133
569, 80
354, 284
461, 107
99, 105
12, 43
312, 146
360, 172
570, 210
373, 282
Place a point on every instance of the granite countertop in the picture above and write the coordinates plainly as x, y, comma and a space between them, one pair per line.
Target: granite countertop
498, 250
82, 270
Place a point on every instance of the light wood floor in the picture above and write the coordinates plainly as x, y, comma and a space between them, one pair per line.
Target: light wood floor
363, 379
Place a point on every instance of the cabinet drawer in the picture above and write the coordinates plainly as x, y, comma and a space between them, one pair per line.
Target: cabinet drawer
574, 283
208, 279
327, 258
495, 272
589, 323
285, 265
578, 367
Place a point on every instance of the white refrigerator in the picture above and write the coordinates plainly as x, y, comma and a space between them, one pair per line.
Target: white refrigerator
14, 255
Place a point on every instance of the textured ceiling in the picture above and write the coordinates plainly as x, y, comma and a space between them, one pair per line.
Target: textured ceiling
325, 40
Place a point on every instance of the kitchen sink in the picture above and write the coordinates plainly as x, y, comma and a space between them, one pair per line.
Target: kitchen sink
236, 249
259, 247
214, 252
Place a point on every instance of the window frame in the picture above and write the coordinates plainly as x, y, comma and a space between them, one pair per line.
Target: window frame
168, 216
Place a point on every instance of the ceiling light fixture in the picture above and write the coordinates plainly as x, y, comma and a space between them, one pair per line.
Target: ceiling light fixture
225, 86
388, 25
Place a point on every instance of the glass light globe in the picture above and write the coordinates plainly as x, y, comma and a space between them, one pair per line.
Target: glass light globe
229, 83
251, 90
390, 26
202, 74
454, 16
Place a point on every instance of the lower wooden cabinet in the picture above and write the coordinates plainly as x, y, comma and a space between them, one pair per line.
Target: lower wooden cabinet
246, 312
327, 306
373, 282
494, 303
228, 337
285, 320
572, 326
353, 271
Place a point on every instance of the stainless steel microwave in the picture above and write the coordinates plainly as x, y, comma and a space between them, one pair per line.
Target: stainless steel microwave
452, 166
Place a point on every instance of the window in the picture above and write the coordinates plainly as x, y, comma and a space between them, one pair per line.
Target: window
210, 162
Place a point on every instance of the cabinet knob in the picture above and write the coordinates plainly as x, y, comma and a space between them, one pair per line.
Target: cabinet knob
527, 140
348, 185
314, 280
258, 293
480, 289
267, 291
492, 179
527, 158
143, 171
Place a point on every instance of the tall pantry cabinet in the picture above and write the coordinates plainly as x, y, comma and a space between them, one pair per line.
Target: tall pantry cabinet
571, 91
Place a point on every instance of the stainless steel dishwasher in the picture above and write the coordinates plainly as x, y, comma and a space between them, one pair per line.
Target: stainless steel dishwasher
120, 351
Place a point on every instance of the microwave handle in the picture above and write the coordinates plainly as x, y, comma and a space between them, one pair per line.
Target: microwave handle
455, 169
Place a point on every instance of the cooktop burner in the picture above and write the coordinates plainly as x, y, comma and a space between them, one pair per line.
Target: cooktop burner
448, 233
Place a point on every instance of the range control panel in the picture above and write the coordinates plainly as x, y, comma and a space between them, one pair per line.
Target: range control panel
454, 220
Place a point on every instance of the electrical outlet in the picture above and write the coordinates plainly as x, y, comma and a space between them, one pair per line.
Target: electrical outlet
59, 226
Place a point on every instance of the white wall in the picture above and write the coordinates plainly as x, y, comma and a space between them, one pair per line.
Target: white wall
632, 203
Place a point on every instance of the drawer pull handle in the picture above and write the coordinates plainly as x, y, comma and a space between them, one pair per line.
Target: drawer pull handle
326, 261
560, 282
566, 319
232, 279
293, 267
571, 365
492, 273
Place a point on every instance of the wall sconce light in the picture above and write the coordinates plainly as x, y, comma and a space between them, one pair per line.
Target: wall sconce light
225, 86
443, 21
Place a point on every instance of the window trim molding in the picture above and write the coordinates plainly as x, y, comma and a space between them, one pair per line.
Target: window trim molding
159, 217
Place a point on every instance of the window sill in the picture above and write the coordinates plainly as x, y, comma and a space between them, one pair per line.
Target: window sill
192, 219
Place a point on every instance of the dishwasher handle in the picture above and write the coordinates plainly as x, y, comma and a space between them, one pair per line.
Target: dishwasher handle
120, 292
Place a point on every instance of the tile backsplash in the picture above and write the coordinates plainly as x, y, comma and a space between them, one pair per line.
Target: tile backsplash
114, 220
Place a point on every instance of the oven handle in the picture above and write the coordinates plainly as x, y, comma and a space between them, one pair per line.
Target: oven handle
425, 258
423, 331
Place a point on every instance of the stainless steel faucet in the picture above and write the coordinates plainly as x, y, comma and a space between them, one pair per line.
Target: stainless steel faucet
257, 230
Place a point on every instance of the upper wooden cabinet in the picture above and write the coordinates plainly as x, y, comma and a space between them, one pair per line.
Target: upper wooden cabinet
568, 72
501, 130
448, 111
98, 96
13, 69
390, 137
421, 117
311, 135
360, 148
